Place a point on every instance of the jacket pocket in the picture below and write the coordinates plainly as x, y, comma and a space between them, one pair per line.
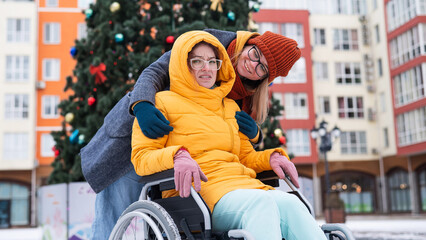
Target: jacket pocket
118, 122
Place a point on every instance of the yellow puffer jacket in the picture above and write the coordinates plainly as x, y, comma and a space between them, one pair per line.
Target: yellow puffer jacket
204, 123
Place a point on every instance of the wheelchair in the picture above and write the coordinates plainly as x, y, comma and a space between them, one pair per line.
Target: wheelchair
154, 217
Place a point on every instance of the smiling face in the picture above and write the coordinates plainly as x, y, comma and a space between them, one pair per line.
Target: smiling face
246, 67
206, 76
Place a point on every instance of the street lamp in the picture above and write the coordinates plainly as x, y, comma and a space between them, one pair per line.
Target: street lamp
326, 142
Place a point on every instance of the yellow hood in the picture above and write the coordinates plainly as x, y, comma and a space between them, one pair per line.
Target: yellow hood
183, 83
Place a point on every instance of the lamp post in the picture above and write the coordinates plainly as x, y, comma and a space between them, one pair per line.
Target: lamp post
326, 142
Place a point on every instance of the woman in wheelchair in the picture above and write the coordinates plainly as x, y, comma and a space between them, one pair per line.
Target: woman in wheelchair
207, 149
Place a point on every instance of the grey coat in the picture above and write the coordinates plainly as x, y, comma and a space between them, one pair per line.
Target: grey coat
106, 158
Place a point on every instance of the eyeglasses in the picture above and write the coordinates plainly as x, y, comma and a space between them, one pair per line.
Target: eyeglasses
198, 64
260, 69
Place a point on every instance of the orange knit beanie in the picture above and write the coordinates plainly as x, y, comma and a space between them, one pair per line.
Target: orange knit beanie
280, 52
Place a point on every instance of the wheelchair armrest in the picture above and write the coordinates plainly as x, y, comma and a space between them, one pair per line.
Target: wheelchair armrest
268, 178
158, 176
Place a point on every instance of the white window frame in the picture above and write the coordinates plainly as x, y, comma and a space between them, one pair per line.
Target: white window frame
18, 30
351, 78
297, 74
52, 33
319, 37
294, 31
353, 142
296, 106
17, 68
280, 97
322, 102
83, 4
47, 143
15, 146
411, 127
81, 31
16, 106
49, 106
51, 69
409, 86
321, 71
51, 3
298, 142
346, 110
345, 39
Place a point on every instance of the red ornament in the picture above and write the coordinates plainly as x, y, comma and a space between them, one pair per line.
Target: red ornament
170, 39
57, 153
91, 101
282, 140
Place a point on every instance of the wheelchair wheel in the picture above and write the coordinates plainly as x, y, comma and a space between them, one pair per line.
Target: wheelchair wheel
145, 220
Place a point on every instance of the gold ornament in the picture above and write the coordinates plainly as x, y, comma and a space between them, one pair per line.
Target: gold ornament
114, 7
216, 5
278, 132
69, 117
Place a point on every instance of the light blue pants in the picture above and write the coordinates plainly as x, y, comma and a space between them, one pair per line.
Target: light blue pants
269, 215
112, 201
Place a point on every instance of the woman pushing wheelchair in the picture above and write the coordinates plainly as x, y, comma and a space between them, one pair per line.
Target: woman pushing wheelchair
205, 147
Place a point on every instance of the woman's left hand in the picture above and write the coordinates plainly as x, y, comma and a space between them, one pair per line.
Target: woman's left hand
246, 124
280, 164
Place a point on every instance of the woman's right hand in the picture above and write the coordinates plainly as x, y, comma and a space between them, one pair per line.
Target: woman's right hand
186, 169
151, 121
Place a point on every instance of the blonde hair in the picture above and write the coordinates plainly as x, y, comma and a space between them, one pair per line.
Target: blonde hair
260, 99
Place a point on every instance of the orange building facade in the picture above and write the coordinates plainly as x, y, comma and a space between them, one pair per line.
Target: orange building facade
60, 23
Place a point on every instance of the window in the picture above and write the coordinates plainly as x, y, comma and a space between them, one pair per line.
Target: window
18, 30
379, 67
294, 31
406, 46
297, 74
399, 190
377, 33
399, 12
268, 26
82, 31
52, 33
374, 4
350, 107
51, 3
348, 73
349, 6
17, 196
298, 142
17, 68
385, 137
409, 86
16, 106
411, 127
353, 143
84, 3
296, 106
51, 69
50, 106
422, 187
324, 105
319, 36
356, 189
321, 71
47, 143
15, 146
345, 39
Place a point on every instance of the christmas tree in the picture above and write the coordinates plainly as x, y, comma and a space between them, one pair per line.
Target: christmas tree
123, 38
273, 134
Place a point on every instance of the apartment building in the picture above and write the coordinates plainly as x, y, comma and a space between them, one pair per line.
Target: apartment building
18, 61
363, 60
60, 23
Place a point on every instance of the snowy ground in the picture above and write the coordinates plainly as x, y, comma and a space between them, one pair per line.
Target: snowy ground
363, 227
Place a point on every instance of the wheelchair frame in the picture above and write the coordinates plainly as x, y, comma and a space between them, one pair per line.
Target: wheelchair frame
198, 223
